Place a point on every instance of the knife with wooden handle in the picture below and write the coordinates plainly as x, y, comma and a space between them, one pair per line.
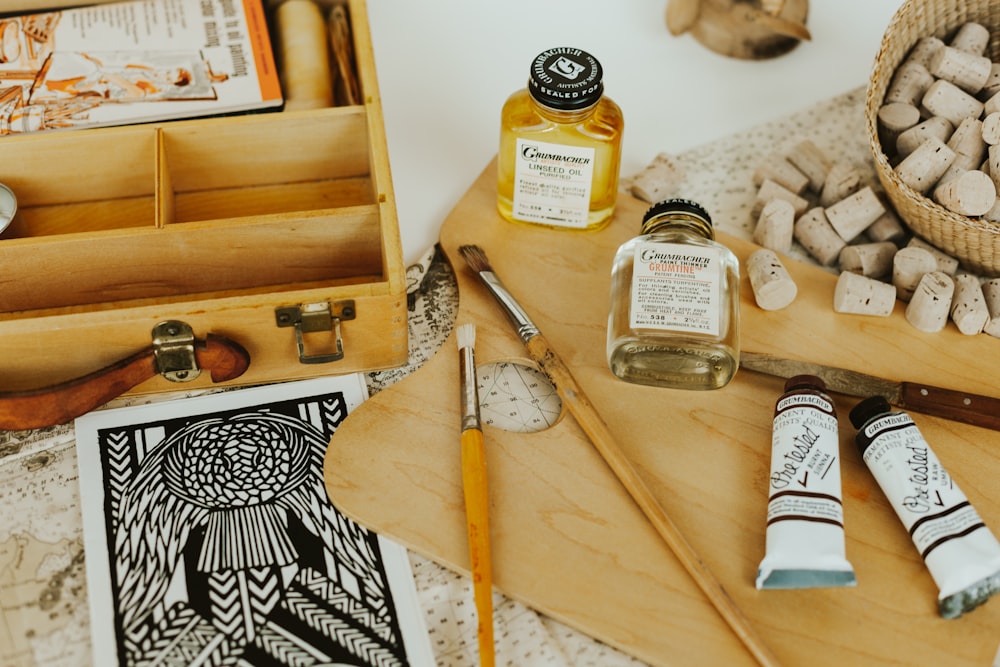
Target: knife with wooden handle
960, 406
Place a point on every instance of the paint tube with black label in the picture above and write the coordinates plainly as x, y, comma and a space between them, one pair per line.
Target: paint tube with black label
959, 550
805, 514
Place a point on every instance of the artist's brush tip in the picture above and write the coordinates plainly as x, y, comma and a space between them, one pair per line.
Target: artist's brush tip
466, 335
475, 257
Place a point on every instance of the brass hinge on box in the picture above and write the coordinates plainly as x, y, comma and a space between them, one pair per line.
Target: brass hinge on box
323, 316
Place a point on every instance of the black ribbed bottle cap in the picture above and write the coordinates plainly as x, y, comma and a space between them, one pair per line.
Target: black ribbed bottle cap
868, 408
677, 205
566, 79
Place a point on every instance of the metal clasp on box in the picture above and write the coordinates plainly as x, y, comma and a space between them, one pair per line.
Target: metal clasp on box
173, 351
314, 318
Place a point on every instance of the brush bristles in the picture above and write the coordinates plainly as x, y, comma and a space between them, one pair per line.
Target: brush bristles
475, 258
466, 335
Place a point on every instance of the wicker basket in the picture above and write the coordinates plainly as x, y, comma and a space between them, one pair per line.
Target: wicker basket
974, 241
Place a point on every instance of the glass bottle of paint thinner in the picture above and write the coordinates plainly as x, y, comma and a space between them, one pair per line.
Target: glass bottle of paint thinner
960, 551
805, 544
675, 319
560, 145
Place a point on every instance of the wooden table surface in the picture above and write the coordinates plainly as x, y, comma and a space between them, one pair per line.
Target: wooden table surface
567, 539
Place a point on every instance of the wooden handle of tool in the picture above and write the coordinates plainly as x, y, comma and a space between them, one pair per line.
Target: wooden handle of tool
61, 403
950, 404
477, 517
590, 421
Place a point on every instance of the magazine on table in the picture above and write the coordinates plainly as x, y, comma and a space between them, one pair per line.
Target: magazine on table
133, 62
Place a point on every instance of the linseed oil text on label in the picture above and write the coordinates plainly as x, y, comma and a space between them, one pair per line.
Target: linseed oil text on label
560, 145
674, 319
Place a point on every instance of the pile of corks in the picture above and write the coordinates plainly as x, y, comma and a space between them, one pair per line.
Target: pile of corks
826, 206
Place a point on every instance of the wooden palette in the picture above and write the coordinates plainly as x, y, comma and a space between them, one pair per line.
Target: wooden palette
567, 539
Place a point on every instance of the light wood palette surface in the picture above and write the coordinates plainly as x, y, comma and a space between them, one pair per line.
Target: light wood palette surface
568, 540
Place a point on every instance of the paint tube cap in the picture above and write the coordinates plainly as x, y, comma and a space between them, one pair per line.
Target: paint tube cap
868, 409
805, 382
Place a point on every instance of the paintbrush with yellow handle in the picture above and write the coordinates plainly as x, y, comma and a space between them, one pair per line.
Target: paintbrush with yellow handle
476, 495
586, 415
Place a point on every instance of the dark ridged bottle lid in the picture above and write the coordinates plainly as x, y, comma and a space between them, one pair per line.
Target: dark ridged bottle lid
566, 79
805, 382
871, 407
695, 214
677, 205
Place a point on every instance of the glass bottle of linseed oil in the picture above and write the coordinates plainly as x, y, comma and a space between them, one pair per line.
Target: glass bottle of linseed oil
560, 145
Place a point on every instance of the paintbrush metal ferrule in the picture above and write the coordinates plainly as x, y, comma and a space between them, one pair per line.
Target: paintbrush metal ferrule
526, 329
470, 392
478, 262
465, 335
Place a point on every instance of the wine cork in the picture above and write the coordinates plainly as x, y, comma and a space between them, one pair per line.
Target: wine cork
971, 193
991, 294
942, 260
658, 180
818, 236
860, 295
922, 168
968, 71
775, 226
910, 140
924, 50
873, 260
306, 76
894, 119
991, 105
930, 304
971, 37
773, 287
944, 98
778, 169
808, 158
769, 190
968, 306
842, 180
909, 265
993, 215
909, 84
993, 164
887, 228
852, 215
992, 85
991, 129
968, 143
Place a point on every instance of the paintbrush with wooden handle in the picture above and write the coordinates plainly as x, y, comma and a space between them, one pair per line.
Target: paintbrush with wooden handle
590, 421
476, 493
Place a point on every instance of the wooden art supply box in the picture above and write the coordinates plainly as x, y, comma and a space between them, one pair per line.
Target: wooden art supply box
277, 230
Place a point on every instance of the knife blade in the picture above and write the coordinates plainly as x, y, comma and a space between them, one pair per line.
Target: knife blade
960, 406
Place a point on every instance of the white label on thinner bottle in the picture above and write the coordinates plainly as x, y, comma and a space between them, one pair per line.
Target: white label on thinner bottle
676, 288
552, 183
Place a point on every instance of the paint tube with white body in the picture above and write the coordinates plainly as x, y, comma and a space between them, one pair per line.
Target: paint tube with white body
805, 514
959, 550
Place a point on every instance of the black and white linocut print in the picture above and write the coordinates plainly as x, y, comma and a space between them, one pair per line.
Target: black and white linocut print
210, 539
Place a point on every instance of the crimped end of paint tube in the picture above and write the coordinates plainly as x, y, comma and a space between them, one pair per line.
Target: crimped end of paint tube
970, 597
791, 579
